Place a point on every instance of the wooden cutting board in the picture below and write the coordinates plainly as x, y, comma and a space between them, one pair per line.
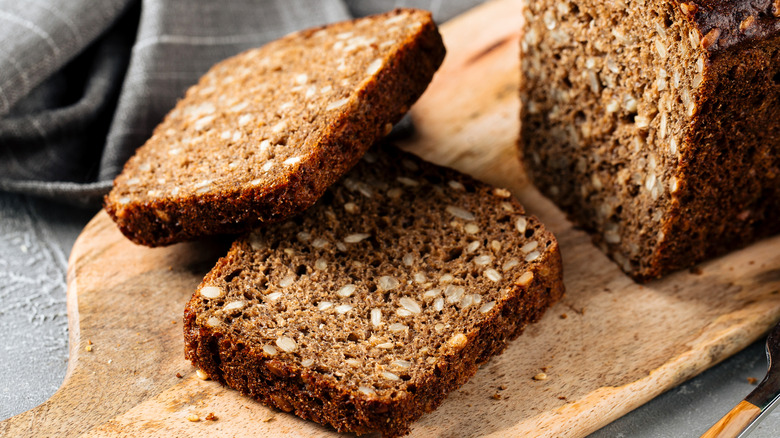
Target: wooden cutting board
608, 347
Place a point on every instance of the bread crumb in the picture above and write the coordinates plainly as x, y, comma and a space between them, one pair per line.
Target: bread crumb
564, 316
540, 376
496, 396
695, 270
752, 380
178, 375
193, 417
88, 348
562, 397
502, 387
202, 374
211, 417
173, 322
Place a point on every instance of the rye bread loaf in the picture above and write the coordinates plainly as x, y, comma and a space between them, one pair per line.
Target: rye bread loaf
263, 134
655, 125
368, 309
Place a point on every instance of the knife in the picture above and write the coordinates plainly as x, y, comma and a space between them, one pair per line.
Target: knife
741, 419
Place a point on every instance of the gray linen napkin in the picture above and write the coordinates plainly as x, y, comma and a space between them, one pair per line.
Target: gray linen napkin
84, 82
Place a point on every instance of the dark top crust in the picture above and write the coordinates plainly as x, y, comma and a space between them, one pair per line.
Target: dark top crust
726, 23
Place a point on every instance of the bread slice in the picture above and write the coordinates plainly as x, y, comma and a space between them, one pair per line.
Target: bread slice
656, 127
263, 134
368, 309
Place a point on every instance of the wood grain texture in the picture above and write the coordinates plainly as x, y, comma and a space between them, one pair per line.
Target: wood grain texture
734, 422
608, 347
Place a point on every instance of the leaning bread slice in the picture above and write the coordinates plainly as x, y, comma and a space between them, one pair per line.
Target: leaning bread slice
263, 134
367, 310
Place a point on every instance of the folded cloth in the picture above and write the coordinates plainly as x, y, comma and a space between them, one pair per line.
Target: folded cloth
83, 83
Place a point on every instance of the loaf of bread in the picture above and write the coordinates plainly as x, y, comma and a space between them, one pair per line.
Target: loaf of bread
365, 311
263, 134
654, 124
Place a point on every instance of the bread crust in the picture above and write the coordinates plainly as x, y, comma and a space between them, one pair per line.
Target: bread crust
723, 24
729, 173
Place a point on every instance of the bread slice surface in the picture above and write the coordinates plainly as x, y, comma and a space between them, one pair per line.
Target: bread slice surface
368, 309
264, 133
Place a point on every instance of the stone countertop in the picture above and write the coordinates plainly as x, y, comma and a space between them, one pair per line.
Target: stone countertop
36, 237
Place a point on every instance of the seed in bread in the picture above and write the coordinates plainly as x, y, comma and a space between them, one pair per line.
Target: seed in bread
655, 125
263, 134
364, 318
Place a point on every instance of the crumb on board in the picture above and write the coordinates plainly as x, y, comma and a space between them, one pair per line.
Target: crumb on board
178, 375
211, 417
193, 417
501, 387
564, 316
540, 376
496, 396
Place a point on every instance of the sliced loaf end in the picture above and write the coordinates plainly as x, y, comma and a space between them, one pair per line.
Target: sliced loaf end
655, 128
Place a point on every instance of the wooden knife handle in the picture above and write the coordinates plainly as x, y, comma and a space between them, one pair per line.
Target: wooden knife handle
733, 423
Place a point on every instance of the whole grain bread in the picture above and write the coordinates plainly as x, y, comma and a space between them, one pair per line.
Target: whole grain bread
364, 312
263, 134
655, 127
